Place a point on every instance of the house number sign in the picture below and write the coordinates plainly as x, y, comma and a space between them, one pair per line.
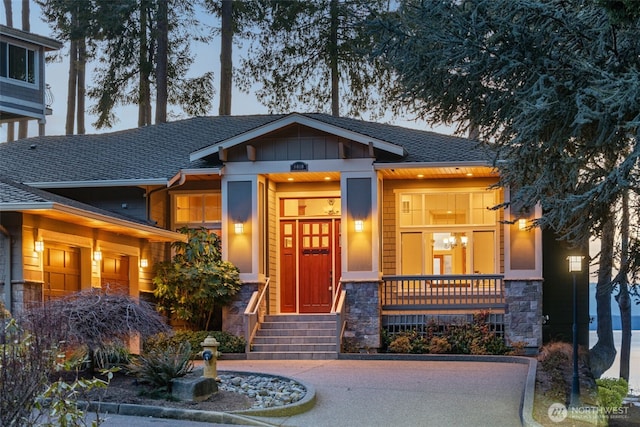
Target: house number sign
299, 166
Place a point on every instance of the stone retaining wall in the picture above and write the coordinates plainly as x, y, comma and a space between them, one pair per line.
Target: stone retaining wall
363, 315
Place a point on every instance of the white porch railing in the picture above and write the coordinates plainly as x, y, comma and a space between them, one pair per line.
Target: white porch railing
337, 308
254, 314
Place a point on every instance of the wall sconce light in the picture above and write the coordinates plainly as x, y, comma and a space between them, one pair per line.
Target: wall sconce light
464, 240
97, 255
522, 224
359, 225
144, 263
238, 227
38, 246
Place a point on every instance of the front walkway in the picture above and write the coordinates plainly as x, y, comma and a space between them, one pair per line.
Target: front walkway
400, 393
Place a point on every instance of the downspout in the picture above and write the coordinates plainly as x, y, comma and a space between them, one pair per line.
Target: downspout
7, 280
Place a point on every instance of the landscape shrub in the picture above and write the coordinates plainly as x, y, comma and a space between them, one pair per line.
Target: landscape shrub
229, 343
612, 391
160, 366
476, 337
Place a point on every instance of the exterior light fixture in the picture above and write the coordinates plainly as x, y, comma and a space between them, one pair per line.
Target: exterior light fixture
144, 263
38, 246
359, 225
464, 240
522, 224
97, 255
238, 227
575, 266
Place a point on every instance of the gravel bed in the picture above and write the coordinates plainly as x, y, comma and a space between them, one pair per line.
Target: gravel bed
267, 391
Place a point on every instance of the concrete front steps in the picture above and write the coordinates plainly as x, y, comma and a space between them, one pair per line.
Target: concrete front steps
295, 337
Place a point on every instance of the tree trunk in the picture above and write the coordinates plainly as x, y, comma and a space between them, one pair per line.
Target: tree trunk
71, 86
26, 25
23, 125
82, 66
333, 58
161, 61
226, 62
603, 353
8, 11
143, 84
624, 301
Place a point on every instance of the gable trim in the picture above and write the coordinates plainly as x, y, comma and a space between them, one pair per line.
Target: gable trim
302, 120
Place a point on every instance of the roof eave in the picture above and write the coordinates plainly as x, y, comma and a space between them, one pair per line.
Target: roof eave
99, 183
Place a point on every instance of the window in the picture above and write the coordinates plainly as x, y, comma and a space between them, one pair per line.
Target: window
17, 63
198, 210
447, 232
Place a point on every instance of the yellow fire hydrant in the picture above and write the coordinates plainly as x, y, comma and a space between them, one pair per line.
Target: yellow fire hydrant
210, 356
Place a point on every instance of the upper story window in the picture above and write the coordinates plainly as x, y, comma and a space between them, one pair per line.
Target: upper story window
17, 63
197, 210
438, 209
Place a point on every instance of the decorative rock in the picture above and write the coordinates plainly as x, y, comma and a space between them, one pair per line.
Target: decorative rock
266, 391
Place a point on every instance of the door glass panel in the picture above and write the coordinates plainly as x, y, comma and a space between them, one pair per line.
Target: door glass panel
288, 242
288, 229
316, 228
306, 242
325, 241
316, 241
306, 228
325, 228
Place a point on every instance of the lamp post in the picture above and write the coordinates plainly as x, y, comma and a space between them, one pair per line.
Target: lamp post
575, 266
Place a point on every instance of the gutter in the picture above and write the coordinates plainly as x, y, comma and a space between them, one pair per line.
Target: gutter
419, 165
8, 289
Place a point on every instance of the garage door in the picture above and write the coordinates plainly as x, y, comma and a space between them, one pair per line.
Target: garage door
115, 273
61, 270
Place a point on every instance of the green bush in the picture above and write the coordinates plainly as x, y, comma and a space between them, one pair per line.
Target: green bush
160, 366
476, 337
611, 391
400, 345
229, 343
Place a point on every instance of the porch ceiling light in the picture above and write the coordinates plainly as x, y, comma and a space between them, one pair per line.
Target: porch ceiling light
238, 228
359, 225
39, 246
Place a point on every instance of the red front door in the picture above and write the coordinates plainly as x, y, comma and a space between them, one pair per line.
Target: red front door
309, 265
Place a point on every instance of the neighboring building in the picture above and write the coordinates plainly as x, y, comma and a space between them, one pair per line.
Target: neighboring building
24, 94
361, 225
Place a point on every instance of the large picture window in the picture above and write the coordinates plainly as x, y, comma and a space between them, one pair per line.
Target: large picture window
17, 63
447, 232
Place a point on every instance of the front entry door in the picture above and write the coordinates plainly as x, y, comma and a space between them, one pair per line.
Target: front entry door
310, 265
316, 275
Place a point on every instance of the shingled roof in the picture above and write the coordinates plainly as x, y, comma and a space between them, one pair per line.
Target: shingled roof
15, 196
154, 154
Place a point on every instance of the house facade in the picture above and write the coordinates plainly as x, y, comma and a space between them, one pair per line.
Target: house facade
370, 225
24, 94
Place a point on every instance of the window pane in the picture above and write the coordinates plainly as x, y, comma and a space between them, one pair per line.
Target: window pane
3, 59
17, 63
182, 209
31, 66
213, 208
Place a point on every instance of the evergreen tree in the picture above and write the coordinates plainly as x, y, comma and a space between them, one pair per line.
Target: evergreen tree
552, 85
311, 55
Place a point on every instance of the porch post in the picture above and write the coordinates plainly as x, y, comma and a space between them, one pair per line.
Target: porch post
361, 258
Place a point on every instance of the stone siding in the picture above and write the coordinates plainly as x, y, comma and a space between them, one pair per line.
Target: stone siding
523, 317
362, 315
233, 314
26, 295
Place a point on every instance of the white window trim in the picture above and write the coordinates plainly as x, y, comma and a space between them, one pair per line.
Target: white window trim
36, 66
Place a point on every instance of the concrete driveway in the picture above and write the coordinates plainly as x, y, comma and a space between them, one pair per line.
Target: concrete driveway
384, 393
